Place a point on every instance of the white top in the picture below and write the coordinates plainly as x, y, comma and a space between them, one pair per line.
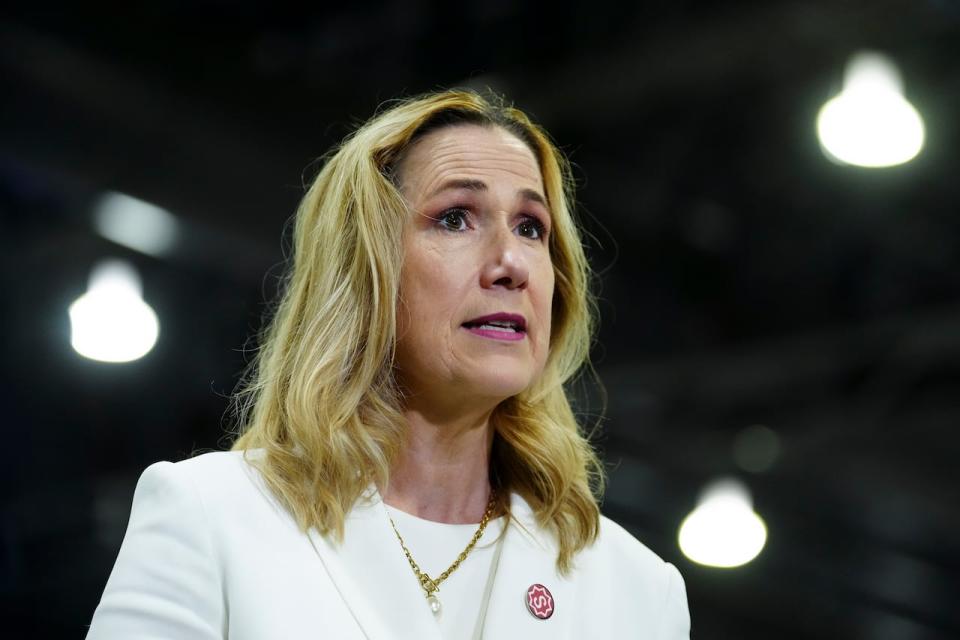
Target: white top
434, 546
210, 554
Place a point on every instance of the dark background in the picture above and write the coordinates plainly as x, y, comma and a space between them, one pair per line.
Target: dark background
746, 280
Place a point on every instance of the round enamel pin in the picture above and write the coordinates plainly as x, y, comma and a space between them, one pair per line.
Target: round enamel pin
539, 601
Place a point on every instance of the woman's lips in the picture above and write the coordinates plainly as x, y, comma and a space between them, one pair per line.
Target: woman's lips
496, 333
498, 326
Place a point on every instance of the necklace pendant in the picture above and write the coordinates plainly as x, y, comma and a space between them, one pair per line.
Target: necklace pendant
434, 603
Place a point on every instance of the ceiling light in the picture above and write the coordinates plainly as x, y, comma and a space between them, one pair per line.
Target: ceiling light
724, 530
111, 322
869, 123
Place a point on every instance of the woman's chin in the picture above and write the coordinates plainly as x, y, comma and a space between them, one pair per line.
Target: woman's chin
501, 386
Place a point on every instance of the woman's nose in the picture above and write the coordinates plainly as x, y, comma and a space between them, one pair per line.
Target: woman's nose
505, 264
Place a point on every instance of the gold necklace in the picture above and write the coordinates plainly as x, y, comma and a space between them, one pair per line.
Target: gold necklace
429, 585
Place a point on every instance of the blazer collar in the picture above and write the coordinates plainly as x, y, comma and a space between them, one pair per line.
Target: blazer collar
529, 558
368, 514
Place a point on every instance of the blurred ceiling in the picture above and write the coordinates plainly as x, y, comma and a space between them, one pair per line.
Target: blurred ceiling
745, 279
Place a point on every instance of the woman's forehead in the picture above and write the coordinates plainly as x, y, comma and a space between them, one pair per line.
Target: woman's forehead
468, 151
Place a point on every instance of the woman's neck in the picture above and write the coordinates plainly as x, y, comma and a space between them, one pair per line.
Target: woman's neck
442, 473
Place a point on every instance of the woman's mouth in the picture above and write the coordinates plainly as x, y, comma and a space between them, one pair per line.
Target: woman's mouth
498, 326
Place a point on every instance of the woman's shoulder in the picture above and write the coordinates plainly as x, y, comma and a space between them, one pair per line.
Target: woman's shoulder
208, 465
632, 573
210, 468
216, 477
616, 542
616, 552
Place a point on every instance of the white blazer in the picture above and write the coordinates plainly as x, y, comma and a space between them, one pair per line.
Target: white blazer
209, 553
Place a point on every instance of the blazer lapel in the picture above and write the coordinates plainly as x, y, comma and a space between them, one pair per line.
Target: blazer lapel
368, 525
529, 558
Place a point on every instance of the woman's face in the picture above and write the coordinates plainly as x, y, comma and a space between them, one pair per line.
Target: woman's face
477, 282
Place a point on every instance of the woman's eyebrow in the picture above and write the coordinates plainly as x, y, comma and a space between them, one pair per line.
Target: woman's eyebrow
460, 183
533, 196
479, 185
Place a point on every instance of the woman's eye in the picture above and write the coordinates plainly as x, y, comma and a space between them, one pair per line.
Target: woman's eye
531, 228
454, 219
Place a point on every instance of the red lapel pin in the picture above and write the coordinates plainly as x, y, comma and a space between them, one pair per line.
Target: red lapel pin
539, 601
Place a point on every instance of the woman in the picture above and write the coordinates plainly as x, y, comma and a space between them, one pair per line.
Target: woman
410, 465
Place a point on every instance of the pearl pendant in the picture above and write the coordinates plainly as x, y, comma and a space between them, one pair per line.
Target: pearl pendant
434, 603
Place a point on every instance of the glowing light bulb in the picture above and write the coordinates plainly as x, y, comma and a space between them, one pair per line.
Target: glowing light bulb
724, 530
111, 322
869, 123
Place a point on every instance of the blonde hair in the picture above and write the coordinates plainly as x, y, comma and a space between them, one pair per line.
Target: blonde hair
320, 399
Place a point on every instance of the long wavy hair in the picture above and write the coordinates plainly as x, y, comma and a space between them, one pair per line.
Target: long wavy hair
320, 401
